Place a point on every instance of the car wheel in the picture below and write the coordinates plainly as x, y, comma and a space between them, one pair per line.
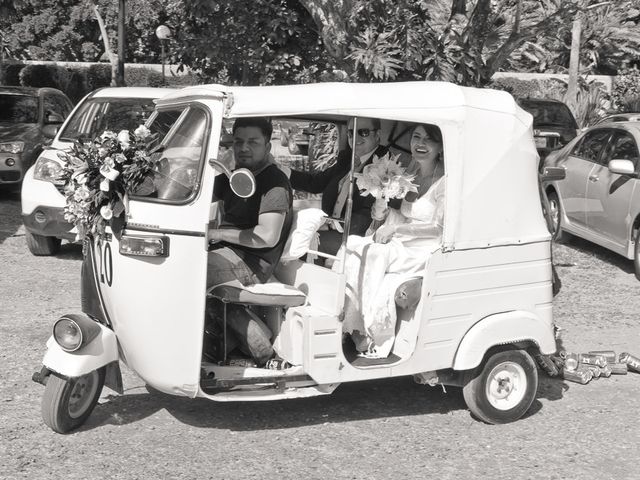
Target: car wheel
555, 213
636, 255
40, 245
503, 388
67, 403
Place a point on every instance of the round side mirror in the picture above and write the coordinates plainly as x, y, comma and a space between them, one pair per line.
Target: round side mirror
242, 183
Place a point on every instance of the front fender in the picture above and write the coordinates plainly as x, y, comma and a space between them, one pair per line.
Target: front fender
501, 329
102, 350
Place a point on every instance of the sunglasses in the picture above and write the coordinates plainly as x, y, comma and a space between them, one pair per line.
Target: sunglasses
362, 132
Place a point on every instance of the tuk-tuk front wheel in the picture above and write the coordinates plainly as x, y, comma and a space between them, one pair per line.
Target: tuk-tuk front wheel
67, 403
503, 388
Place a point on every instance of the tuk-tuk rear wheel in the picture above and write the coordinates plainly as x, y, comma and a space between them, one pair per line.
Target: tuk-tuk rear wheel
67, 403
503, 388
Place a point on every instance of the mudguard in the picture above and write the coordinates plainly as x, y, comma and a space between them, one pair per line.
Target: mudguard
500, 329
101, 351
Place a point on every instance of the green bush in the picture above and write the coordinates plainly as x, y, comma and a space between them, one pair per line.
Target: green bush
544, 88
12, 73
71, 81
39, 76
591, 103
626, 89
631, 103
98, 76
184, 80
76, 82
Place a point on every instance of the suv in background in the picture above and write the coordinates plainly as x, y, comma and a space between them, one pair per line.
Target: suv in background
553, 124
620, 117
29, 118
43, 197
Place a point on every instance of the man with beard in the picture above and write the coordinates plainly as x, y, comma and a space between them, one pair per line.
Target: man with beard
249, 241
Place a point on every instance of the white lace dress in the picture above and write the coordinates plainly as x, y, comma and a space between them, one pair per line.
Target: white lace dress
373, 271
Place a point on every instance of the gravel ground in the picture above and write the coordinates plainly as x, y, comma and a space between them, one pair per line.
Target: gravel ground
371, 430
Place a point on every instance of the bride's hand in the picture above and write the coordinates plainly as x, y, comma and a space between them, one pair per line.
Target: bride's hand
384, 234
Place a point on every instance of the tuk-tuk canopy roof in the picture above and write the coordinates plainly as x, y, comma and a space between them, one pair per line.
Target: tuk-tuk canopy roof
492, 195
393, 101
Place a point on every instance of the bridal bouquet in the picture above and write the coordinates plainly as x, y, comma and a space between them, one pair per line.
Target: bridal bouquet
98, 175
384, 178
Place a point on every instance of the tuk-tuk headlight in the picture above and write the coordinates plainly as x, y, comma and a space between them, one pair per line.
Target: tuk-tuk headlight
68, 334
144, 246
74, 331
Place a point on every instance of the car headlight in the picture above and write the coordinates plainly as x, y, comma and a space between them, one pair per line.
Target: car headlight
48, 170
12, 147
74, 331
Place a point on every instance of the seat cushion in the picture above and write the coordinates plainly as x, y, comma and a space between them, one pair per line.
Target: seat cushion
268, 294
303, 236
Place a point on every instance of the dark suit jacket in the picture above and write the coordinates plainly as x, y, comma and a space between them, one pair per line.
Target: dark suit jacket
327, 182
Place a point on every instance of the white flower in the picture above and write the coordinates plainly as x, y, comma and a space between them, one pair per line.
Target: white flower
142, 132
81, 193
108, 172
104, 185
124, 139
108, 134
103, 152
120, 158
106, 212
385, 178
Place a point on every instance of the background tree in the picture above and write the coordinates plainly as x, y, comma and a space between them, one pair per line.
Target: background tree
67, 30
463, 42
296, 40
609, 42
247, 41
8, 14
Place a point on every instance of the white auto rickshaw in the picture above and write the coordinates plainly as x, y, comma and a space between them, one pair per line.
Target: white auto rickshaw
484, 309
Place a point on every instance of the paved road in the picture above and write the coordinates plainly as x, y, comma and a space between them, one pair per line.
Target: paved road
372, 430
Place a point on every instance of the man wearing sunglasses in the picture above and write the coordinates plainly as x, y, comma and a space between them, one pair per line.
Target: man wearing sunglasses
334, 185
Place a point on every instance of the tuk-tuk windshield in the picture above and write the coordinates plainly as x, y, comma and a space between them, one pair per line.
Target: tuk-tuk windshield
181, 134
99, 114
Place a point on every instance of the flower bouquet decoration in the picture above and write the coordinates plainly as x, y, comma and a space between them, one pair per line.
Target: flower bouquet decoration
384, 178
99, 174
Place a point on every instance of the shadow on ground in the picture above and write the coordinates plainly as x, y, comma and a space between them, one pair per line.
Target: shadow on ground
599, 253
373, 399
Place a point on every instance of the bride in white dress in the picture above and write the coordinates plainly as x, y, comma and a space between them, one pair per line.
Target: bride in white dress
376, 265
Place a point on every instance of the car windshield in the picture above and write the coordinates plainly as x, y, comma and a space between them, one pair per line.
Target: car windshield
18, 109
180, 137
100, 114
549, 114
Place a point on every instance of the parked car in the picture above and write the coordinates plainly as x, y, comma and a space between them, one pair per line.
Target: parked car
42, 192
620, 117
599, 200
29, 119
553, 124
